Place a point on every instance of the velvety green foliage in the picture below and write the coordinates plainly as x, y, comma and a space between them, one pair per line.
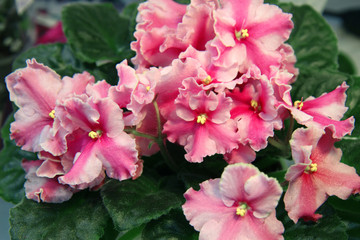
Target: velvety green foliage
97, 33
132, 203
12, 176
56, 56
329, 226
313, 40
171, 226
82, 217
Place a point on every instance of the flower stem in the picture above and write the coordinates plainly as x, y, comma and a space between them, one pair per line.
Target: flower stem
277, 144
161, 142
290, 130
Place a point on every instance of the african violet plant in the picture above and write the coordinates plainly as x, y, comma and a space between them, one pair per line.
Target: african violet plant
212, 120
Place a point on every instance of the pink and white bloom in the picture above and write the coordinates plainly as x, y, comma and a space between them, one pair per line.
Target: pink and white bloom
156, 43
317, 173
239, 205
166, 28
97, 142
254, 109
44, 189
250, 32
134, 91
324, 111
201, 123
36, 90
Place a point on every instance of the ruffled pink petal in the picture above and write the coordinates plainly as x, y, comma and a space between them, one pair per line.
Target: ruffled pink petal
42, 188
123, 164
34, 87
303, 198
205, 205
98, 90
75, 85
86, 168
50, 169
233, 180
248, 228
242, 154
196, 27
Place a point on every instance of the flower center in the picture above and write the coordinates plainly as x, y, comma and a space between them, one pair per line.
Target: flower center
148, 88
201, 118
242, 209
207, 80
243, 33
255, 105
95, 135
311, 168
299, 104
52, 114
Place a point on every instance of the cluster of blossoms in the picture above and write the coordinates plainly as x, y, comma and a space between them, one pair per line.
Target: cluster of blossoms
212, 76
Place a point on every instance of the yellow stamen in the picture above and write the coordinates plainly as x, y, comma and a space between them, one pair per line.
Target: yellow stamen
243, 33
255, 105
298, 104
207, 80
52, 114
95, 135
147, 88
241, 209
201, 118
311, 168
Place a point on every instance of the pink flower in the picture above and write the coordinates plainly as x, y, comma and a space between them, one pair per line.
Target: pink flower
250, 32
254, 109
40, 188
134, 91
239, 205
166, 28
156, 43
35, 90
201, 123
52, 35
324, 111
97, 142
317, 173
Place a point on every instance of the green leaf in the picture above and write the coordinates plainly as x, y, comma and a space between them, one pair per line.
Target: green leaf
172, 226
314, 82
347, 209
12, 176
312, 38
56, 56
132, 203
346, 64
130, 12
96, 32
82, 217
329, 226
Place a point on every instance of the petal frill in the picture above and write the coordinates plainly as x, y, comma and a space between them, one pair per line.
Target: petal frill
86, 168
196, 28
243, 228
233, 180
42, 188
242, 154
34, 87
75, 85
205, 205
263, 194
199, 145
24, 122
118, 155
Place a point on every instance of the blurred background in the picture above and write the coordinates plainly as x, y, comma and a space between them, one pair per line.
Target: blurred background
25, 23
